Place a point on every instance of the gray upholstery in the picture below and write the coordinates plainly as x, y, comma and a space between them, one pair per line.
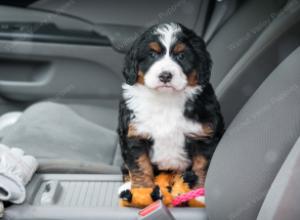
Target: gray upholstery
255, 145
106, 116
282, 200
54, 132
278, 40
237, 35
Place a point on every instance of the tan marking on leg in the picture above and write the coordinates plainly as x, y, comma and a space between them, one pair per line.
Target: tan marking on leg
200, 164
143, 176
208, 129
206, 132
179, 47
126, 178
155, 47
192, 78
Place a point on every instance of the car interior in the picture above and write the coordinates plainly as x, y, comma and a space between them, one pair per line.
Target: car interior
61, 68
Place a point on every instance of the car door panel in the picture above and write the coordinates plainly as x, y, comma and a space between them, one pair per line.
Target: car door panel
40, 64
129, 12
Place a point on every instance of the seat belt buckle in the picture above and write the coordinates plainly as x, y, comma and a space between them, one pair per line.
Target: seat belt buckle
155, 211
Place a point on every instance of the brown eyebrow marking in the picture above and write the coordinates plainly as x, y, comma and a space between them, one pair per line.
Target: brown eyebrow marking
155, 46
179, 47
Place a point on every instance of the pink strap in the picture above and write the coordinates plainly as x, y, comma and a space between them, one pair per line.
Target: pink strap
188, 196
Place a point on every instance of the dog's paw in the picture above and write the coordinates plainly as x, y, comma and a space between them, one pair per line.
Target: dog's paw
126, 196
139, 197
156, 194
190, 178
126, 186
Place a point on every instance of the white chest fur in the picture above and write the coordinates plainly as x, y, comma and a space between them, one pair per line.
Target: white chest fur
160, 115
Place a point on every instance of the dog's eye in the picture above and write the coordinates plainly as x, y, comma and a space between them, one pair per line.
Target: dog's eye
180, 56
153, 54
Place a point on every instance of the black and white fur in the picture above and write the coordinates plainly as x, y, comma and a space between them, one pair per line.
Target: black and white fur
172, 112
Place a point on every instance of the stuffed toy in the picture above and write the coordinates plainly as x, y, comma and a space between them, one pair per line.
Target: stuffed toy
172, 189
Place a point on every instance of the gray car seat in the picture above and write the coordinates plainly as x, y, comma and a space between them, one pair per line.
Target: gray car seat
255, 146
234, 79
282, 200
106, 116
238, 34
63, 140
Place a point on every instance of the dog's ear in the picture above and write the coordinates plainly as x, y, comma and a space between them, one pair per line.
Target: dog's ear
130, 69
203, 59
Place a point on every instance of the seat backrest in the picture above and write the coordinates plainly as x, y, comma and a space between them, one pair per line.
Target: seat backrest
270, 47
255, 145
238, 33
282, 200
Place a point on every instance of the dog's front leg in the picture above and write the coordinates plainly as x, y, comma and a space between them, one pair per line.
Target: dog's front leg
137, 159
142, 190
140, 169
195, 177
201, 145
199, 167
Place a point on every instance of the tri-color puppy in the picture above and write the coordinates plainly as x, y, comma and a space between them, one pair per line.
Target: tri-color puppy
169, 119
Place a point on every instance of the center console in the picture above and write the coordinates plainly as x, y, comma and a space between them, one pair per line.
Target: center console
81, 196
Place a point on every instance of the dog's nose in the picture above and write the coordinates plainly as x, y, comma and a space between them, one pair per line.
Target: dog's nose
165, 77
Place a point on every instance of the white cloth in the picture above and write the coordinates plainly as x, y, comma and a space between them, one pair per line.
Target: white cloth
9, 119
16, 170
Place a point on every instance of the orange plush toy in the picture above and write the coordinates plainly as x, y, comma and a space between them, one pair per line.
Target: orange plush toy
172, 189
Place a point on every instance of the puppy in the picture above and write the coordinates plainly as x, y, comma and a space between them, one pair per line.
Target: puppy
169, 119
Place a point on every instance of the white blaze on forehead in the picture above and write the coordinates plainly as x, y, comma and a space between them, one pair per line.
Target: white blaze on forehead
167, 34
